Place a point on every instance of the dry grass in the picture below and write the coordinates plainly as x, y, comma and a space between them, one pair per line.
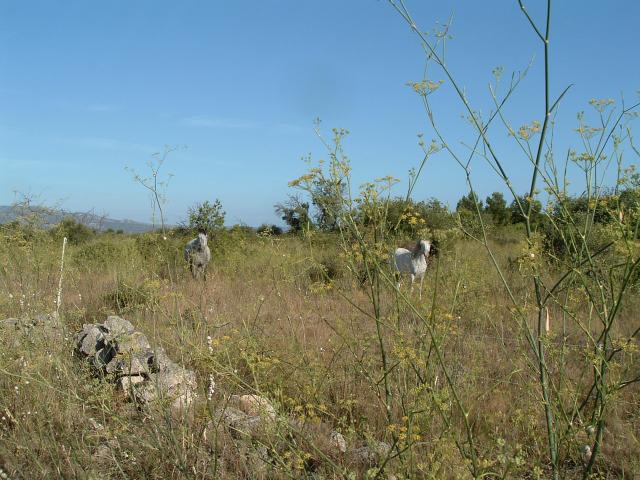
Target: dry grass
305, 344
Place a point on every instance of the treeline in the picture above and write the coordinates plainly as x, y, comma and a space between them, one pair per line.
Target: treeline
409, 216
404, 217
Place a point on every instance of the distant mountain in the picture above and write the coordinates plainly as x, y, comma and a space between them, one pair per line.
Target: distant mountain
50, 217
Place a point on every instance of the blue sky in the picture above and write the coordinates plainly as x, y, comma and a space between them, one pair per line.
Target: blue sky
88, 88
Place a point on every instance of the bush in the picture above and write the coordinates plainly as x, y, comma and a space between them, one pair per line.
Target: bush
127, 297
101, 253
207, 217
326, 270
75, 231
272, 229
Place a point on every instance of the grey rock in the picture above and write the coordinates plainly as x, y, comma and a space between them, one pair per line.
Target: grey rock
102, 357
97, 426
133, 342
239, 423
372, 453
47, 319
116, 348
127, 365
337, 441
127, 352
104, 452
10, 323
171, 383
160, 360
259, 460
127, 382
253, 405
90, 340
117, 326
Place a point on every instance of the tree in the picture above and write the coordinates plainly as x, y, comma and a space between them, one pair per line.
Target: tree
206, 216
269, 229
436, 214
496, 206
469, 203
630, 205
75, 231
327, 200
295, 213
516, 215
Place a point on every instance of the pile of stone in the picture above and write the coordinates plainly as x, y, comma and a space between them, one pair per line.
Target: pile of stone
146, 374
116, 350
251, 416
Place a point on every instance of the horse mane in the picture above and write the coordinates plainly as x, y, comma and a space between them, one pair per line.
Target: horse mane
413, 247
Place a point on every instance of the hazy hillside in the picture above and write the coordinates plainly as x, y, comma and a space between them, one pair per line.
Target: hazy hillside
51, 217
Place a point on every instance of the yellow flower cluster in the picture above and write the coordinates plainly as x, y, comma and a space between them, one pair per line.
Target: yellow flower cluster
601, 104
403, 434
405, 353
425, 87
582, 157
525, 132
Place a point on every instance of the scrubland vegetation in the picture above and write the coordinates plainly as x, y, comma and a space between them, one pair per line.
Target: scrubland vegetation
520, 361
283, 316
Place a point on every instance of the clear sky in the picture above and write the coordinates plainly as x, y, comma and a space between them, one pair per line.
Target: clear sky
88, 87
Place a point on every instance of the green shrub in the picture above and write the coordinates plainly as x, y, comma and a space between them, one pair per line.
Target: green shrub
126, 297
266, 229
326, 270
76, 232
101, 253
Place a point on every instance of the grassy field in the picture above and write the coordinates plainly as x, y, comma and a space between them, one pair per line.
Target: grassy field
283, 317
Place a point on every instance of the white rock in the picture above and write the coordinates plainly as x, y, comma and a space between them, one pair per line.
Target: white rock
253, 405
338, 441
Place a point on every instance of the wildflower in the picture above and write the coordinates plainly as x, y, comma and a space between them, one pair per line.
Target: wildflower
212, 387
586, 453
210, 343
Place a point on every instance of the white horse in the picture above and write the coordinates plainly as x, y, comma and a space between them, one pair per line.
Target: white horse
198, 255
413, 261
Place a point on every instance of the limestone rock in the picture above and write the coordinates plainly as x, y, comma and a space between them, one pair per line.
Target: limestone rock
172, 383
90, 340
372, 453
128, 365
254, 405
147, 375
239, 423
135, 342
10, 323
337, 441
118, 326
